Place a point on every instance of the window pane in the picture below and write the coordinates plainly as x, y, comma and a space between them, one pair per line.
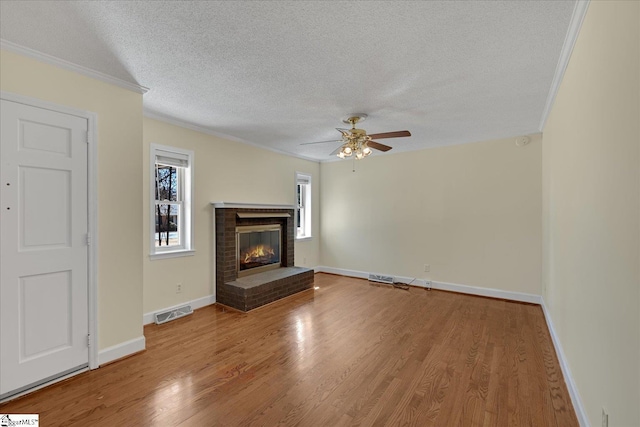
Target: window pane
300, 229
299, 214
171, 180
166, 183
303, 200
167, 225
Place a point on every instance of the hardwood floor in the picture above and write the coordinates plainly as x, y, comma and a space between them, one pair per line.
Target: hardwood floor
347, 353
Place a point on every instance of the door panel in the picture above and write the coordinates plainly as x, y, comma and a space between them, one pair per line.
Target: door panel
44, 137
44, 193
45, 297
43, 253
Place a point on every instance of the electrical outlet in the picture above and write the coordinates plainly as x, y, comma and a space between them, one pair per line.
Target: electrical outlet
427, 284
178, 288
427, 268
605, 418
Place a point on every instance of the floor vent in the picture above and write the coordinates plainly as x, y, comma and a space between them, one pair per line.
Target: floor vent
175, 313
381, 279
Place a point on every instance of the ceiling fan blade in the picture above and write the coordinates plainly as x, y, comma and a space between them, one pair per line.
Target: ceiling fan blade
396, 134
378, 146
320, 142
336, 151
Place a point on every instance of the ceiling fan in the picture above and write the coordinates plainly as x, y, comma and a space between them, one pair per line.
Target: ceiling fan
356, 142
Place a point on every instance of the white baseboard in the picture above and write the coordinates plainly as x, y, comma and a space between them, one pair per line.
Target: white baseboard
453, 287
488, 292
121, 350
341, 272
148, 318
566, 372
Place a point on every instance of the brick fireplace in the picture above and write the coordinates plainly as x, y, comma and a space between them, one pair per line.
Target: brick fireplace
273, 280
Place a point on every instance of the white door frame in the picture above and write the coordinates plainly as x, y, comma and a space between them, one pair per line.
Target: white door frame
92, 200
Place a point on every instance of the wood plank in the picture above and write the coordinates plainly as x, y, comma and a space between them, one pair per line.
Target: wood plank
347, 353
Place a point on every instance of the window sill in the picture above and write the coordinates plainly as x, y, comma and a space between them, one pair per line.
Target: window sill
303, 238
172, 254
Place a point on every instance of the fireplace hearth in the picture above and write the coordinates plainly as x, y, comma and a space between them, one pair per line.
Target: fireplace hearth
254, 255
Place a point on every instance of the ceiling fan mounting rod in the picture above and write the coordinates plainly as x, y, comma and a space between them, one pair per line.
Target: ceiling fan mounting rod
354, 118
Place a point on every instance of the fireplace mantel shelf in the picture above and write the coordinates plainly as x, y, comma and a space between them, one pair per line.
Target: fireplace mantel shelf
235, 205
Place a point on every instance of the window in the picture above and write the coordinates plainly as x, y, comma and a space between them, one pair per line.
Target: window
303, 206
171, 214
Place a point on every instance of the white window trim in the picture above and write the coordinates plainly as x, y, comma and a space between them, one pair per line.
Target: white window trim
308, 207
187, 248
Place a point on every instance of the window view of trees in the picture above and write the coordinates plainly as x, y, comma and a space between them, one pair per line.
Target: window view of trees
303, 214
170, 213
168, 205
299, 215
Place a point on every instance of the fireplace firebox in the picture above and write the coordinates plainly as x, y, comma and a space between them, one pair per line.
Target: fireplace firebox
270, 230
258, 248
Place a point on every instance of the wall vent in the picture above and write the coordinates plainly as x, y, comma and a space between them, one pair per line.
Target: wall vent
380, 278
174, 313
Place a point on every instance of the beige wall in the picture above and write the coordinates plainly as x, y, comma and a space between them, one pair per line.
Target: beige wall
119, 113
473, 212
591, 157
224, 171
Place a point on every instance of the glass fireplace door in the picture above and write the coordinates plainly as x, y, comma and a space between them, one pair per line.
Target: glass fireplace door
257, 248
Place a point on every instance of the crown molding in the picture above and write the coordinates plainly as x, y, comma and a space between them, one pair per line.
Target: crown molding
52, 60
579, 12
207, 131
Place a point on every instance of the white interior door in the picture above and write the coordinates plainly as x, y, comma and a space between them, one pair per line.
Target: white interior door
43, 249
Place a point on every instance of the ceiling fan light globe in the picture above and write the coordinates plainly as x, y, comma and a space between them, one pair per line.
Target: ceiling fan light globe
347, 151
341, 155
366, 151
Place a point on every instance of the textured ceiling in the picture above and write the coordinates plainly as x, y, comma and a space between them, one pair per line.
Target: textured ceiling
278, 74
